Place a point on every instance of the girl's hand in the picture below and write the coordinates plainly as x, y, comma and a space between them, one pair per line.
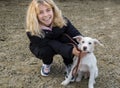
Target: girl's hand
77, 53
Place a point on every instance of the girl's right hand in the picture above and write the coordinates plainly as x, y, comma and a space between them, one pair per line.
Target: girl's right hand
75, 51
78, 53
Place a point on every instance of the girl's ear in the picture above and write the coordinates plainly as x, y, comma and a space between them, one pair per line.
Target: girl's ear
97, 42
78, 38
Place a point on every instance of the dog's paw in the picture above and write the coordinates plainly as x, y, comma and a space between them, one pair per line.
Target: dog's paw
65, 82
90, 87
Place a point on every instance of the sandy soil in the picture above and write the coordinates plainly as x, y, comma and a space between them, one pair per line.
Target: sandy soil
95, 18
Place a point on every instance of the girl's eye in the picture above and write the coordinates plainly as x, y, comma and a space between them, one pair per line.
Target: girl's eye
48, 10
41, 12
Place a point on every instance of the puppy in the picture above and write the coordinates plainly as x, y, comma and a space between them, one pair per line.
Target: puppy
88, 63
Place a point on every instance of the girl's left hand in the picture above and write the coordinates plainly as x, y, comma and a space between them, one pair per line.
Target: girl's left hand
78, 53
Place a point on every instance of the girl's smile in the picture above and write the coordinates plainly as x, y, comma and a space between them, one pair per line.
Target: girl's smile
45, 15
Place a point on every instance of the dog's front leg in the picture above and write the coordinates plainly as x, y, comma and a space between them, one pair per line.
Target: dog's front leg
92, 78
96, 72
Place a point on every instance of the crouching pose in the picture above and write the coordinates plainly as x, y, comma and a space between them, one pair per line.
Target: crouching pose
45, 28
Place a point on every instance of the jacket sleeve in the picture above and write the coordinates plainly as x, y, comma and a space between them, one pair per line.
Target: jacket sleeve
71, 30
35, 40
61, 48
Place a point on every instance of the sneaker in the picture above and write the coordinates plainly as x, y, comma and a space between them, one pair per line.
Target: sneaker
72, 79
45, 70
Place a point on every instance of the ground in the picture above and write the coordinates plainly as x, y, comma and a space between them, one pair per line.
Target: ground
19, 68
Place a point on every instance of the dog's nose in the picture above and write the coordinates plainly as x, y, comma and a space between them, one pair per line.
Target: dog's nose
84, 48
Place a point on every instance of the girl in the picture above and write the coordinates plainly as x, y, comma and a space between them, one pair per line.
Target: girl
45, 29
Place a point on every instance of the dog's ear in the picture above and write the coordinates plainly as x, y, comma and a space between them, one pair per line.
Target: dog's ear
78, 38
97, 42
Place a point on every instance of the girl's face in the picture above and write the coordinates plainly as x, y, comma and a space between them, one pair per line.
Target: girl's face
45, 15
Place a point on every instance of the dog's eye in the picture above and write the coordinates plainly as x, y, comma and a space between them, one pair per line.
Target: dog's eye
83, 41
90, 43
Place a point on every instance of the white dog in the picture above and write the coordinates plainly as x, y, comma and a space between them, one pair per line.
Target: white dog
88, 63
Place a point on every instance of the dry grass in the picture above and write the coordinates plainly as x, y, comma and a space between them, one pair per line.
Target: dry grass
95, 18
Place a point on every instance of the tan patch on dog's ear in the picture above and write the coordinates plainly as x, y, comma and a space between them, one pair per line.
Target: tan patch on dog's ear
78, 38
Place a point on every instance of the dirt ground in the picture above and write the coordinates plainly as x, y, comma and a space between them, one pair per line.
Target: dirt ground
95, 18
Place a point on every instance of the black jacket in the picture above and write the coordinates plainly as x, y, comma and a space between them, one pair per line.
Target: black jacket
57, 34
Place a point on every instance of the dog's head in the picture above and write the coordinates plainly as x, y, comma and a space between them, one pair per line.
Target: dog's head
86, 44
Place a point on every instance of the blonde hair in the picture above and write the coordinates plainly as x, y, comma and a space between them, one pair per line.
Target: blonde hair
32, 23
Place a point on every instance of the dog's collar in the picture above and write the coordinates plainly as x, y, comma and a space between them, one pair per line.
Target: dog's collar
86, 52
